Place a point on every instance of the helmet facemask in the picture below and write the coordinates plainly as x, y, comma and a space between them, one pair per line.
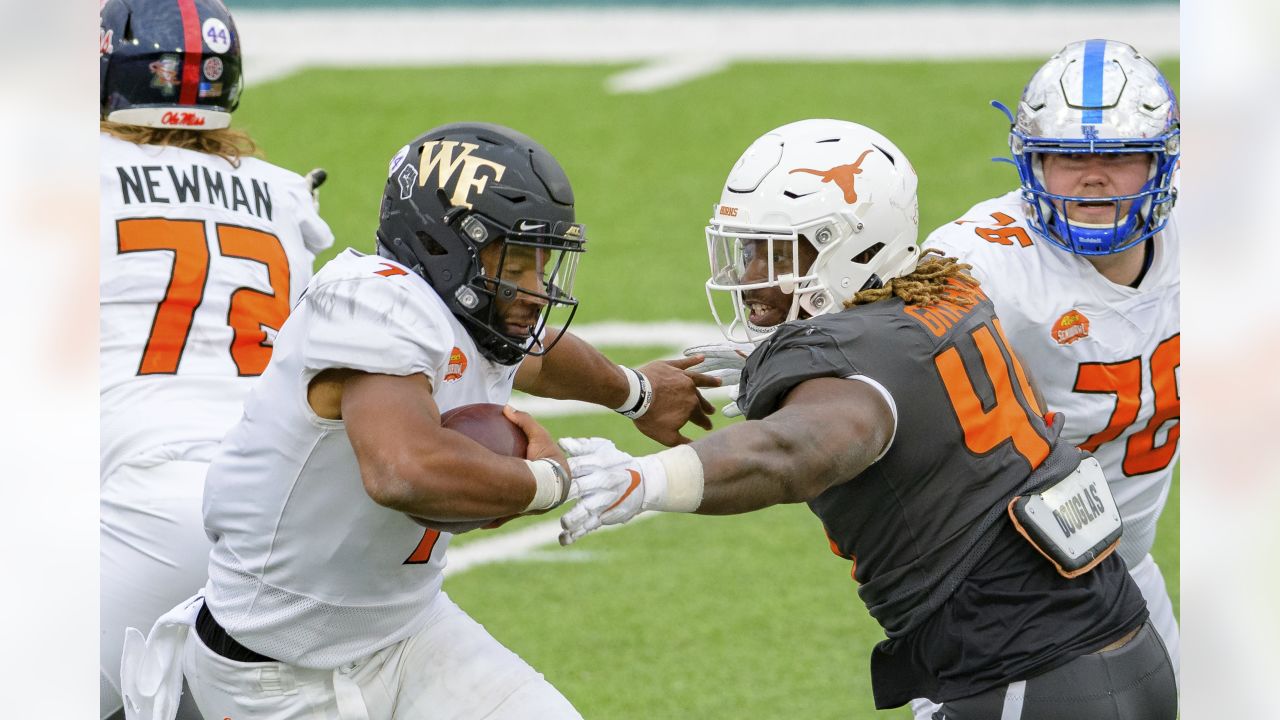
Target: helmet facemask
1148, 208
506, 316
747, 264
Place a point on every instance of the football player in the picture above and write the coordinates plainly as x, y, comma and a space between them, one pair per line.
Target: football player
332, 502
1082, 264
203, 250
882, 393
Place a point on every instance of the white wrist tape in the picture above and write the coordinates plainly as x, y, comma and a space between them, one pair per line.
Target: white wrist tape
633, 392
673, 480
551, 484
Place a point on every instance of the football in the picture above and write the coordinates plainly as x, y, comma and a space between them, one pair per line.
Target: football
484, 423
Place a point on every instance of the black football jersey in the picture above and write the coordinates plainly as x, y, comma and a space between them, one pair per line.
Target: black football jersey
925, 525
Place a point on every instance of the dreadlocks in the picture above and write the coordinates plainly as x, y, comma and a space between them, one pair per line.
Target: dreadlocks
932, 281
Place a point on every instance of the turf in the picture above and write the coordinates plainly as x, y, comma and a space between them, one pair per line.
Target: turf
676, 616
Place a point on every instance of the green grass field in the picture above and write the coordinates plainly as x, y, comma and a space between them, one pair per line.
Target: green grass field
678, 616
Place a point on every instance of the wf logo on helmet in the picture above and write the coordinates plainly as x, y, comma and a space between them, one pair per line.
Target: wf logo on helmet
842, 175
1072, 326
439, 155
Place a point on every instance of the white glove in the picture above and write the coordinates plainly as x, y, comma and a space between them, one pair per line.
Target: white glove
609, 484
725, 361
590, 455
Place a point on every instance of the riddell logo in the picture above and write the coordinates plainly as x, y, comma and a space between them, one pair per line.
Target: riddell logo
728, 211
842, 175
457, 365
185, 119
1072, 326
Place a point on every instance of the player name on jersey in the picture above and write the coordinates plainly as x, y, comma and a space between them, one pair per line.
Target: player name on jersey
166, 184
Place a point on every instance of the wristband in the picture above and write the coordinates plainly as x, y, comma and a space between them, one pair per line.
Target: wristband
633, 390
675, 486
551, 484
640, 406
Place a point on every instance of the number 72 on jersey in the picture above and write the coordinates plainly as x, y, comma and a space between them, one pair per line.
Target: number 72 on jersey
251, 311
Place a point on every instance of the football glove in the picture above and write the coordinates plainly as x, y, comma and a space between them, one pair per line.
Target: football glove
724, 361
609, 484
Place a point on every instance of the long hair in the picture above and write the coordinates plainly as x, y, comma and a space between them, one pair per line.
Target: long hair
933, 280
230, 144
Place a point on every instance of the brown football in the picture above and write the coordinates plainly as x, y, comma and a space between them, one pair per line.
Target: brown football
484, 423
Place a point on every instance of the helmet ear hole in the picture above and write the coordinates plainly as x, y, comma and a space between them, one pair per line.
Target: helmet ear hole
867, 255
432, 245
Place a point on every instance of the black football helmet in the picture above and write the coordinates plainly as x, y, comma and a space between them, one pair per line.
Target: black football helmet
169, 63
461, 187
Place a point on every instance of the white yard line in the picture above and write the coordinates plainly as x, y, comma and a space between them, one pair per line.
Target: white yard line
525, 544
664, 73
674, 45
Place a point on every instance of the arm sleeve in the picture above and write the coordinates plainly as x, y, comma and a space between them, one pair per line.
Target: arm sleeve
376, 325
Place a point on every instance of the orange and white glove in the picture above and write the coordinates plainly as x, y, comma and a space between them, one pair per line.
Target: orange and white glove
613, 487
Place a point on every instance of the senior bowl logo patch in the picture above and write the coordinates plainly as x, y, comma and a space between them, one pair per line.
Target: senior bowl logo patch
1072, 326
457, 365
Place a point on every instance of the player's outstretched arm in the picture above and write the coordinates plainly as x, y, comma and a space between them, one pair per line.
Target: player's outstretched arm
408, 462
826, 431
574, 370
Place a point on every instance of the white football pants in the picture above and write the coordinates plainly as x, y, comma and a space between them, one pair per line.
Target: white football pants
451, 670
153, 554
1150, 581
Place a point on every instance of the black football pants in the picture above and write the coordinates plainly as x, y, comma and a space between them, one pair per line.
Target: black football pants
1132, 682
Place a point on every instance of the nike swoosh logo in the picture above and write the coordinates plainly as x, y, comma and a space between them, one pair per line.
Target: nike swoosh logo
526, 226
635, 482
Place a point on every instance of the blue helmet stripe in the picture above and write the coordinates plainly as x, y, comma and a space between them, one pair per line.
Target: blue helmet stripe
1094, 55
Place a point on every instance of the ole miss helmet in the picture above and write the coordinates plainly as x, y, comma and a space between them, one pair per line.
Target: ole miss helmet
169, 63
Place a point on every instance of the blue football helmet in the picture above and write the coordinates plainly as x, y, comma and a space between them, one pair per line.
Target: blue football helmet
169, 63
1097, 96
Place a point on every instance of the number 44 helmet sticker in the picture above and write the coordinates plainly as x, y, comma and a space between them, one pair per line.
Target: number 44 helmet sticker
216, 35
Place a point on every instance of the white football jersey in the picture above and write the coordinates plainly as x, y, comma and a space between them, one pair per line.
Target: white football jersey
199, 264
1106, 356
305, 567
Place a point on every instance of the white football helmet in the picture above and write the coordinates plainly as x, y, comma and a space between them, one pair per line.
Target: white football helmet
1097, 96
843, 188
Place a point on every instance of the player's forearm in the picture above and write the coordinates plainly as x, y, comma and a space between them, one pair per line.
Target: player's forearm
455, 480
759, 463
828, 431
574, 370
